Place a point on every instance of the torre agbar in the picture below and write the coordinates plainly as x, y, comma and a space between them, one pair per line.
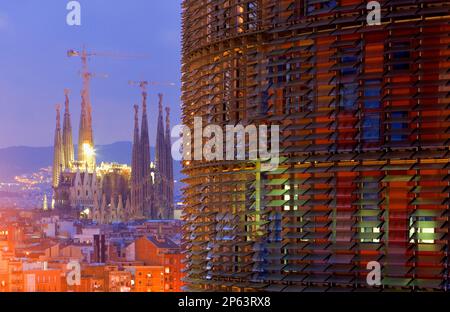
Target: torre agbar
364, 116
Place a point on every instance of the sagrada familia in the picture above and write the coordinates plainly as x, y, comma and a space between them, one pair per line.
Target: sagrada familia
112, 192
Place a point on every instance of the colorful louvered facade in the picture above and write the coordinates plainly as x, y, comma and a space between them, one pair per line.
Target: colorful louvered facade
364, 113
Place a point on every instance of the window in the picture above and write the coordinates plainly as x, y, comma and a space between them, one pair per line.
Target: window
369, 228
288, 197
252, 15
371, 127
265, 102
319, 6
422, 230
372, 93
348, 95
348, 86
398, 124
292, 104
348, 62
401, 56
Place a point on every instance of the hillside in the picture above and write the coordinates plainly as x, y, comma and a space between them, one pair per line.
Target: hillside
24, 159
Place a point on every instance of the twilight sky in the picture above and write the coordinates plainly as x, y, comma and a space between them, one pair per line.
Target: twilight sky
34, 67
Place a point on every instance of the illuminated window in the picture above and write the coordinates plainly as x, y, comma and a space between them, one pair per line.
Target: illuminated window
288, 197
374, 230
425, 227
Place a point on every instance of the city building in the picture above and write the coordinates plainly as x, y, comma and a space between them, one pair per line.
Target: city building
162, 251
363, 110
119, 281
37, 252
42, 280
148, 278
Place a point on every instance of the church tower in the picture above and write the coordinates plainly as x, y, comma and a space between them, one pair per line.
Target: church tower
58, 152
160, 162
67, 134
145, 161
151, 185
86, 152
160, 140
169, 167
164, 165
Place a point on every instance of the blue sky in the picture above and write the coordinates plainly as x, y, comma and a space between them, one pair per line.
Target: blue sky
34, 67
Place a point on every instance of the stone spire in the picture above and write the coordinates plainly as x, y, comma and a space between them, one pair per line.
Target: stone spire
82, 129
145, 142
85, 137
58, 152
135, 165
67, 133
161, 167
145, 158
86, 106
169, 166
160, 141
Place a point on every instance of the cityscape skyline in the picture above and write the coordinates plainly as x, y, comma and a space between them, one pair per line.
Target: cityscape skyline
85, 225
351, 97
46, 58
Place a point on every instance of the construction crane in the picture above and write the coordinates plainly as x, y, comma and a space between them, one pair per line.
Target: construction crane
86, 54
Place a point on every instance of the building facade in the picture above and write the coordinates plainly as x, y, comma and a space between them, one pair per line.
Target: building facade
160, 251
364, 115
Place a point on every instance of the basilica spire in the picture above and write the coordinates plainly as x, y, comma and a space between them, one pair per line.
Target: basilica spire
67, 133
82, 129
169, 166
145, 158
135, 165
136, 143
58, 152
160, 141
86, 152
145, 142
161, 163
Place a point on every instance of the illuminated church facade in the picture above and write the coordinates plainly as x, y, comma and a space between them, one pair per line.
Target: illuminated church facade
111, 192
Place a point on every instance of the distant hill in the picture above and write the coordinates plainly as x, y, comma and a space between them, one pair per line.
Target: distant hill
24, 159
